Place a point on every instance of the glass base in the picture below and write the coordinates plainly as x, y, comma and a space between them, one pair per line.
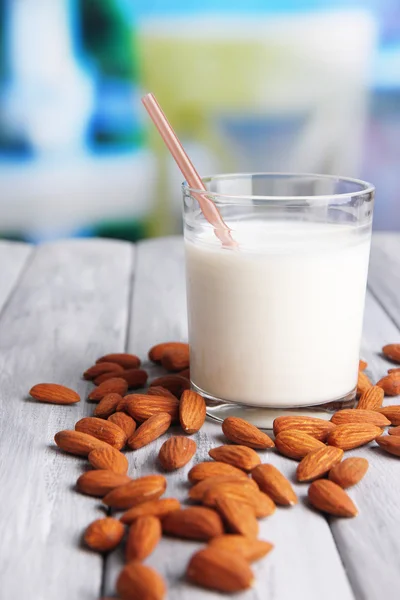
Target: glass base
263, 417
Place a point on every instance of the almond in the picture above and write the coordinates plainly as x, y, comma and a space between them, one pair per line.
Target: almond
296, 444
157, 390
107, 406
390, 384
143, 536
241, 432
394, 431
237, 516
156, 508
349, 472
122, 405
175, 359
371, 399
139, 582
101, 368
77, 443
150, 430
260, 502
173, 383
349, 415
141, 407
241, 457
194, 523
395, 370
317, 428
204, 470
176, 452
110, 459
104, 535
116, 372
220, 570
317, 463
53, 393
185, 373
249, 548
156, 352
100, 482
197, 491
392, 413
271, 481
353, 435
135, 378
115, 385
124, 422
363, 383
137, 491
106, 431
362, 365
330, 498
390, 443
127, 361
192, 411
392, 351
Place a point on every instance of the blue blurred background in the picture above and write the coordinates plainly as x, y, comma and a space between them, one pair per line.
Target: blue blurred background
249, 85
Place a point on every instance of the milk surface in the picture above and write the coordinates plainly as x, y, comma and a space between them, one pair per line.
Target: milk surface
278, 321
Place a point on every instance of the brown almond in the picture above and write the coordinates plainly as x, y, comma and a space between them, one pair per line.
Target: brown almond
135, 378
53, 393
140, 582
116, 372
185, 373
77, 443
371, 399
313, 426
141, 406
349, 415
241, 457
273, 483
216, 468
101, 368
115, 385
390, 443
150, 430
260, 502
99, 482
242, 432
199, 489
296, 444
106, 431
143, 536
330, 498
194, 523
157, 390
192, 411
390, 384
237, 516
349, 472
156, 352
104, 535
392, 413
353, 435
109, 459
362, 365
395, 370
124, 422
176, 359
137, 491
317, 463
363, 383
176, 452
127, 361
220, 570
250, 549
173, 383
394, 430
122, 405
156, 508
107, 406
392, 351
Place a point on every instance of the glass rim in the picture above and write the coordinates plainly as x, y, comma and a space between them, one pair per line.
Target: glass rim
365, 187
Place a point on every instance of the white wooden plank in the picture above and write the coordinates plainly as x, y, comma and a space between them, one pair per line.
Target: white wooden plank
384, 273
13, 258
305, 563
70, 306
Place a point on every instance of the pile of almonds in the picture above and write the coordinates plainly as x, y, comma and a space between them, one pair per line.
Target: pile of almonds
232, 491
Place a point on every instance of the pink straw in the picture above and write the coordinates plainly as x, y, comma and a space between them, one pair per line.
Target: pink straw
173, 144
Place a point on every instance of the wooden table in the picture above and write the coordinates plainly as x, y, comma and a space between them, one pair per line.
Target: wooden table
64, 304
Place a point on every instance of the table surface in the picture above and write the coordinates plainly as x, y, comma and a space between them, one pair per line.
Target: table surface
64, 304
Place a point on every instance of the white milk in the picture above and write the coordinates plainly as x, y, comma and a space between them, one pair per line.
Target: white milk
277, 322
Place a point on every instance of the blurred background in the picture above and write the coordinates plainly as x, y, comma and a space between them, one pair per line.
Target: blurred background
249, 85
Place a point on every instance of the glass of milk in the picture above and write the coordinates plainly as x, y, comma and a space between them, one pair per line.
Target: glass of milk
276, 322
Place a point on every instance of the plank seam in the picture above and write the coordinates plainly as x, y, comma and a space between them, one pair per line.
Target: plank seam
27, 263
383, 307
